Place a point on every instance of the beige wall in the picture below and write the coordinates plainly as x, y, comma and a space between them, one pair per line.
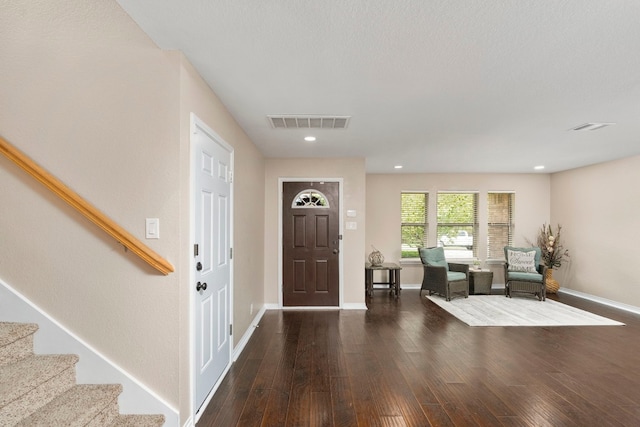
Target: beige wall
248, 260
352, 171
89, 97
249, 171
383, 209
598, 208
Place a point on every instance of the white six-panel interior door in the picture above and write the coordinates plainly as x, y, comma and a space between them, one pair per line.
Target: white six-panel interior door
211, 167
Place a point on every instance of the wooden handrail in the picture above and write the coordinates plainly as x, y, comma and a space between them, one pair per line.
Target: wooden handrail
85, 208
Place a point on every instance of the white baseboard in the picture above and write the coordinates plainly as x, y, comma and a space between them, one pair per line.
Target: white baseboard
237, 350
93, 367
600, 300
345, 306
354, 306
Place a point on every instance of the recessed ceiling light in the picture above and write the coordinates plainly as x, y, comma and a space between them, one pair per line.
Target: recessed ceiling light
397, 167
538, 168
310, 138
592, 126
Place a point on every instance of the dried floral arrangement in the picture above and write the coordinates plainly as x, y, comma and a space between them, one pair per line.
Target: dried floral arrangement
553, 253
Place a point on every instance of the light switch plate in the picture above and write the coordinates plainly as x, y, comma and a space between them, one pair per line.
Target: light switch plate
153, 228
351, 213
352, 225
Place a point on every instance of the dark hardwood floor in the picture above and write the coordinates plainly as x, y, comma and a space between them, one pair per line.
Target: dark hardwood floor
407, 362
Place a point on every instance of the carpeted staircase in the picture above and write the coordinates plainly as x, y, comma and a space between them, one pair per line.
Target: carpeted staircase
41, 390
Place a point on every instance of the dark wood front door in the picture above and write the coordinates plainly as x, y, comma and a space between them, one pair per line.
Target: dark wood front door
310, 238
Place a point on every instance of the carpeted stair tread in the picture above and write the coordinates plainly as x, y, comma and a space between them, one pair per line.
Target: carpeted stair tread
16, 341
138, 421
79, 406
20, 377
36, 398
41, 390
10, 332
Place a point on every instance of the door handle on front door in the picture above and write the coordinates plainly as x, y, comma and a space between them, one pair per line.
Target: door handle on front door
201, 286
335, 251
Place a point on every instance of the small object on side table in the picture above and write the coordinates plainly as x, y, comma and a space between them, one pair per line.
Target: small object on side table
376, 258
480, 282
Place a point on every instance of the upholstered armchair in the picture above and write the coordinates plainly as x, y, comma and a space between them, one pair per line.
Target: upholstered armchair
442, 277
524, 273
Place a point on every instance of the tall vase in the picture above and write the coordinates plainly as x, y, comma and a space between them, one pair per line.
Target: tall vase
551, 283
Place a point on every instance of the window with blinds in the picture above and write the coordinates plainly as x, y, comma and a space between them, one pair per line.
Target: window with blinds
500, 223
457, 226
415, 227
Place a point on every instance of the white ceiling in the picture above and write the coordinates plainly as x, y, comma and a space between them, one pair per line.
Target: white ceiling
433, 85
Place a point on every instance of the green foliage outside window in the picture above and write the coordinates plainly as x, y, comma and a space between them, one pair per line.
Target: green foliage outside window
456, 208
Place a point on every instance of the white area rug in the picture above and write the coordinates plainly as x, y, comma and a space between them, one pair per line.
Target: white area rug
498, 310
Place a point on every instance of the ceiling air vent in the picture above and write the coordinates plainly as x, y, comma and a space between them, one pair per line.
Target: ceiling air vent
592, 126
309, 122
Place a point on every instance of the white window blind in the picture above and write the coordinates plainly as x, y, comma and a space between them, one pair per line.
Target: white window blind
415, 226
500, 225
457, 226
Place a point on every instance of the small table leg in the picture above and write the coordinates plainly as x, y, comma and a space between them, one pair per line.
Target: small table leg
368, 282
392, 286
394, 282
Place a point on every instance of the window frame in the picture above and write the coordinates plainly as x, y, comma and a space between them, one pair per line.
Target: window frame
317, 200
473, 225
424, 224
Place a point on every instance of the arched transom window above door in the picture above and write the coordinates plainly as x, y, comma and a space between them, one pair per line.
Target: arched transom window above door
310, 199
